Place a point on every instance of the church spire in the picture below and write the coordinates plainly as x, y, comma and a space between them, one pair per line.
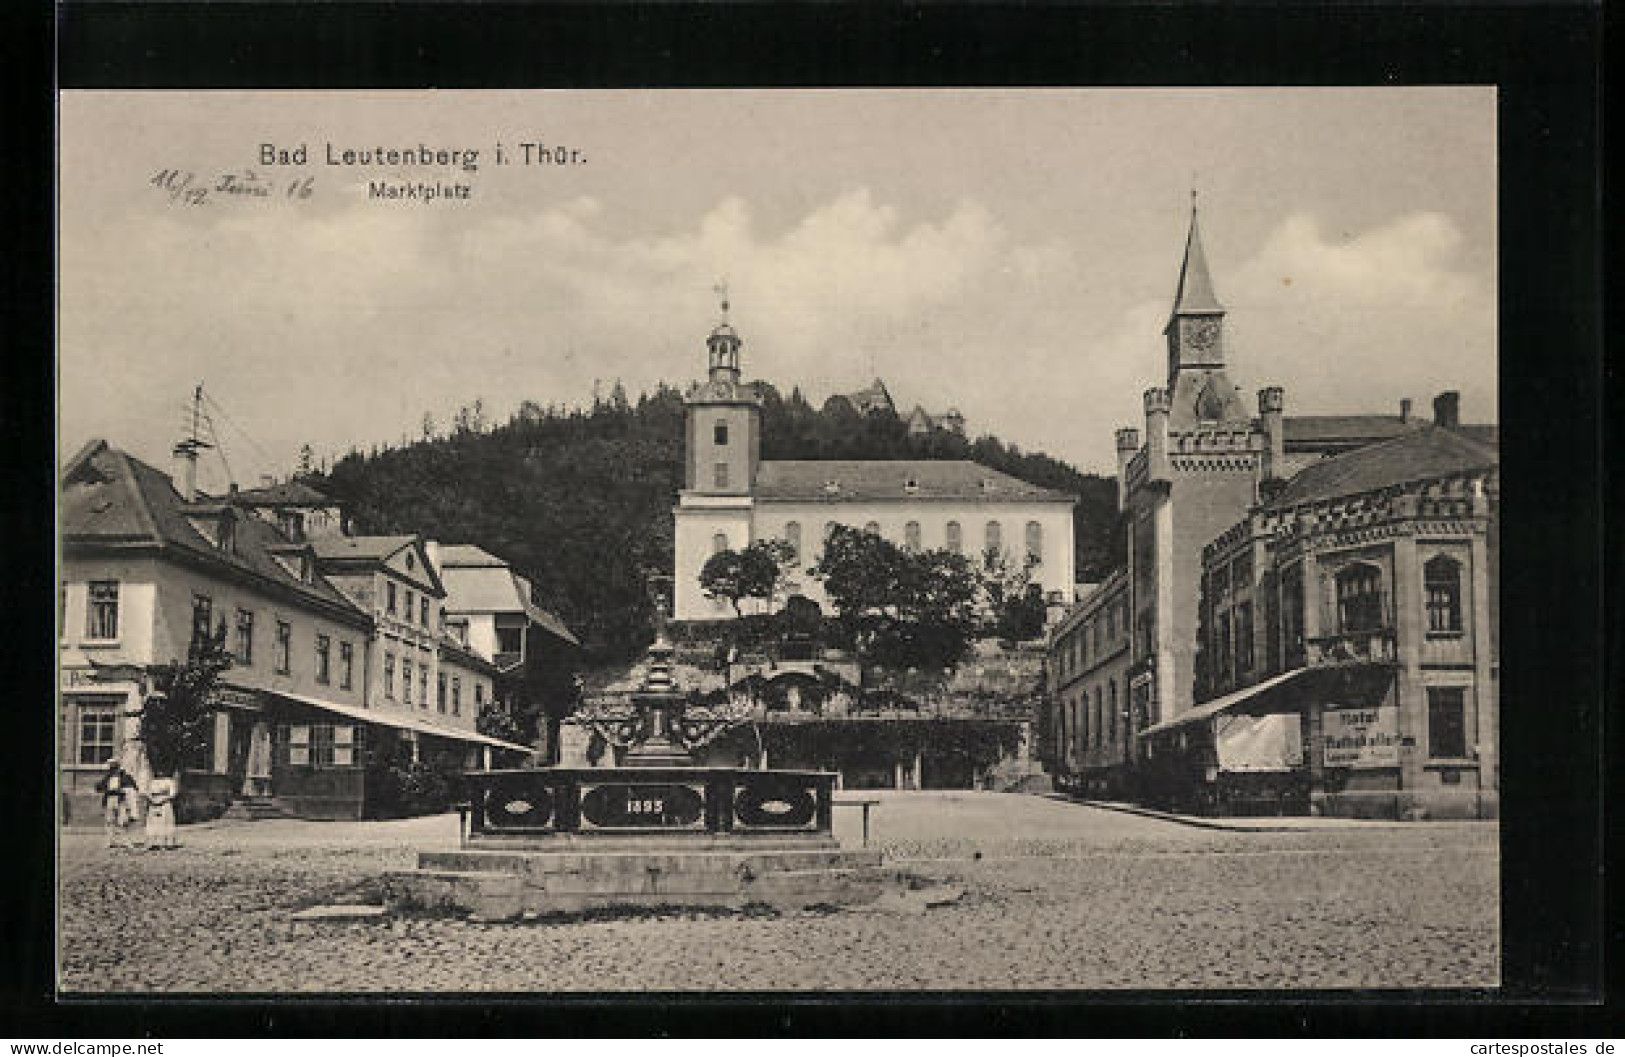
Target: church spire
1195, 294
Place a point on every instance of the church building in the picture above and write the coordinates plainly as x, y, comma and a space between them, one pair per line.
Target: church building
731, 498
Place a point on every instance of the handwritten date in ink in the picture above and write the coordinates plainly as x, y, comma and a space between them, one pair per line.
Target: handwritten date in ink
186, 188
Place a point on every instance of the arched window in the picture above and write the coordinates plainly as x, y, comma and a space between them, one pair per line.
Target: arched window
1035, 541
911, 535
1359, 598
792, 536
1442, 577
872, 528
956, 540
994, 536
719, 543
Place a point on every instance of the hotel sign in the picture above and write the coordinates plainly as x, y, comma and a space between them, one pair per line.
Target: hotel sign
1360, 737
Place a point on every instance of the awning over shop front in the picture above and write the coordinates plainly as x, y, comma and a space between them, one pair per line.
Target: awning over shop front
385, 719
1222, 704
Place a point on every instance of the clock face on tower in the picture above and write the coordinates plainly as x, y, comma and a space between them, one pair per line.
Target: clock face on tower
1202, 335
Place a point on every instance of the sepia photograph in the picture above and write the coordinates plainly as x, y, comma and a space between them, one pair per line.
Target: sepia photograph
618, 541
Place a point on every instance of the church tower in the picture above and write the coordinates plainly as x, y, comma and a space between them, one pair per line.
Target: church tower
724, 420
1200, 392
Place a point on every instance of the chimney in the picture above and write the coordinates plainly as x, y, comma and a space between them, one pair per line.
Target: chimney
1270, 404
1128, 443
1447, 408
1156, 435
1405, 410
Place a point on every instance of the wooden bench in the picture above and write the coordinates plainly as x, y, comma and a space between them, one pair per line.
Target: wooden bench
864, 802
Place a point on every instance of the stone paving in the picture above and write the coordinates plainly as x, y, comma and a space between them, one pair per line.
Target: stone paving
1057, 895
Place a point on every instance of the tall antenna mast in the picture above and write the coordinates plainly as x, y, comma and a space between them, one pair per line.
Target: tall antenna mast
187, 448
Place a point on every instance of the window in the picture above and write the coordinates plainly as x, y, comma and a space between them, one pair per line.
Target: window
245, 637
324, 659
1111, 717
994, 536
1292, 610
792, 536
719, 543
719, 434
956, 539
1222, 656
202, 614
912, 485
872, 528
440, 693
1359, 598
228, 534
1442, 577
1035, 541
1100, 718
911, 535
510, 639
98, 726
423, 611
101, 620
406, 681
343, 745
346, 666
284, 647
423, 684
299, 745
407, 615
1244, 637
1447, 722
389, 675
479, 695
1241, 572
719, 475
389, 597
456, 696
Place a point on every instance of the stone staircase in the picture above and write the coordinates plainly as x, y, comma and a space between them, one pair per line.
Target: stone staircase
253, 809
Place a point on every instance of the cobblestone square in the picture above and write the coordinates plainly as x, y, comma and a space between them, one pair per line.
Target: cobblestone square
1057, 896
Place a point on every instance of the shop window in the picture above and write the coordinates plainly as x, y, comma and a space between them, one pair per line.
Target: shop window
284, 647
98, 733
299, 745
245, 637
1447, 722
1359, 598
1442, 577
324, 659
343, 745
956, 538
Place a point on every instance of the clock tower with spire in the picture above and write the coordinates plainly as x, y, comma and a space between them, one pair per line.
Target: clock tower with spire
1199, 389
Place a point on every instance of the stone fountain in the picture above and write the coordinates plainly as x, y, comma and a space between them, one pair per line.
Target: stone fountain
654, 830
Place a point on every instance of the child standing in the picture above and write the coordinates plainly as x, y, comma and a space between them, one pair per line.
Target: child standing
161, 813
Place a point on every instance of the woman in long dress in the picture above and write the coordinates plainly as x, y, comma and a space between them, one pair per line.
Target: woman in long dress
161, 813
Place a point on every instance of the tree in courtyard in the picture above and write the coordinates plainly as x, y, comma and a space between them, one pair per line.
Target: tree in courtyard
179, 712
1012, 604
755, 572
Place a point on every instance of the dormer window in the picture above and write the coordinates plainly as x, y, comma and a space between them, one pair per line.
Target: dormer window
292, 525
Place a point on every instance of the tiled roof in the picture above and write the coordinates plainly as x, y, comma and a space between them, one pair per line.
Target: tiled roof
288, 493
496, 588
1417, 455
359, 548
466, 555
889, 479
111, 497
1312, 428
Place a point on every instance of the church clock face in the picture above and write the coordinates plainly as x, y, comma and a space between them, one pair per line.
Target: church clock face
1203, 335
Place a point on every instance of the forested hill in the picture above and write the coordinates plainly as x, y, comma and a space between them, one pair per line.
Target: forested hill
580, 499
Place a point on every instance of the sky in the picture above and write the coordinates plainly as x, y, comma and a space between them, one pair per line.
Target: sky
1012, 253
